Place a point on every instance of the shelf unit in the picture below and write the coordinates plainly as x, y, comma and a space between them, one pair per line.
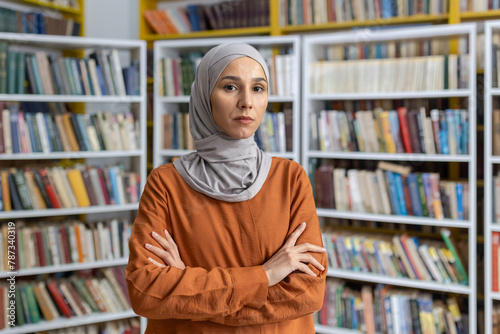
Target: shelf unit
76, 14
164, 104
490, 160
133, 160
312, 45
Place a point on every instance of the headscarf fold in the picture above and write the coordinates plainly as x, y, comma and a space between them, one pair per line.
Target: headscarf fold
224, 168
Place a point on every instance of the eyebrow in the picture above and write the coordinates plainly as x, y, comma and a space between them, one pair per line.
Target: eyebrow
235, 78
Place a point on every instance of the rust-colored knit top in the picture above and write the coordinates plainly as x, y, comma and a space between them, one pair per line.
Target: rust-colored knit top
224, 288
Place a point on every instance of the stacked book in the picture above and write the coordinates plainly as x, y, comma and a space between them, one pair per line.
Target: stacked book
409, 74
50, 243
400, 256
32, 131
176, 74
68, 297
41, 188
388, 309
324, 11
172, 19
391, 190
47, 73
391, 131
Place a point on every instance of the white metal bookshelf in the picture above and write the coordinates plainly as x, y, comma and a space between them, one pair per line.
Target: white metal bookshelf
490, 160
312, 51
62, 322
133, 160
165, 104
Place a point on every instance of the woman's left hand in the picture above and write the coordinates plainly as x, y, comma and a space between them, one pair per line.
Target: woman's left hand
169, 253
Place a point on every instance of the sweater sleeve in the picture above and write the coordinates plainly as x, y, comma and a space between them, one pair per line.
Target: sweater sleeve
192, 293
298, 294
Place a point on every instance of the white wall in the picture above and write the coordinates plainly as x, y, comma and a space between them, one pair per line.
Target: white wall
112, 19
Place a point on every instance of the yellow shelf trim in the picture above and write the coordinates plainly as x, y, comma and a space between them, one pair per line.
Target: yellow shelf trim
212, 33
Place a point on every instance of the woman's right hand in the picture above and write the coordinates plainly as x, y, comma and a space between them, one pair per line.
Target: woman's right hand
290, 258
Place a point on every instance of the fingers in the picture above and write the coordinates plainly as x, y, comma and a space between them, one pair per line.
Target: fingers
153, 261
292, 239
307, 247
161, 253
308, 258
305, 269
167, 243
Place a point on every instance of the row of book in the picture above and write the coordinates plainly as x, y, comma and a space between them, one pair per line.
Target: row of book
496, 198
25, 132
176, 74
324, 11
389, 309
273, 135
197, 17
495, 261
411, 74
478, 5
496, 131
275, 131
55, 243
392, 49
99, 74
396, 256
68, 297
125, 326
58, 187
391, 131
386, 191
36, 22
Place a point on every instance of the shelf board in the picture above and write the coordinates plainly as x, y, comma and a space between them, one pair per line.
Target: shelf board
376, 22
16, 214
321, 329
178, 153
495, 227
64, 9
70, 98
211, 33
490, 14
69, 42
63, 322
185, 99
65, 267
495, 296
410, 157
405, 282
392, 95
495, 91
331, 213
70, 155
495, 160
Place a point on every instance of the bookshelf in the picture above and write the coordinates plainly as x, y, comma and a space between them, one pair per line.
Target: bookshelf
167, 104
314, 47
132, 160
70, 10
491, 161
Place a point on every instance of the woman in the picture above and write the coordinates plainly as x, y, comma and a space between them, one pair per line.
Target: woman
220, 243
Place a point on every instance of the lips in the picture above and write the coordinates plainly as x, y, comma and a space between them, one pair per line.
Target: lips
244, 119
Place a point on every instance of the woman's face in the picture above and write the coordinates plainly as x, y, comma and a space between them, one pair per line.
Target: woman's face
239, 98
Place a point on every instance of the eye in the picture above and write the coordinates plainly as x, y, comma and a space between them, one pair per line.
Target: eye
230, 87
259, 89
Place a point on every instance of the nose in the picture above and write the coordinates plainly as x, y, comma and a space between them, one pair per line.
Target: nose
245, 99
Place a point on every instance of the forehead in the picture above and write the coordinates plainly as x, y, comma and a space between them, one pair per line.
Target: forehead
243, 65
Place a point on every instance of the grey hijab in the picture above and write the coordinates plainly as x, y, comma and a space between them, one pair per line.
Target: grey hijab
224, 168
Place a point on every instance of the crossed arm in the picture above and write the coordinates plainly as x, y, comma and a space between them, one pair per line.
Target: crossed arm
164, 288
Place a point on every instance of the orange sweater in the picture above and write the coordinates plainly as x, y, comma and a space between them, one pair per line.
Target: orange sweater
224, 288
